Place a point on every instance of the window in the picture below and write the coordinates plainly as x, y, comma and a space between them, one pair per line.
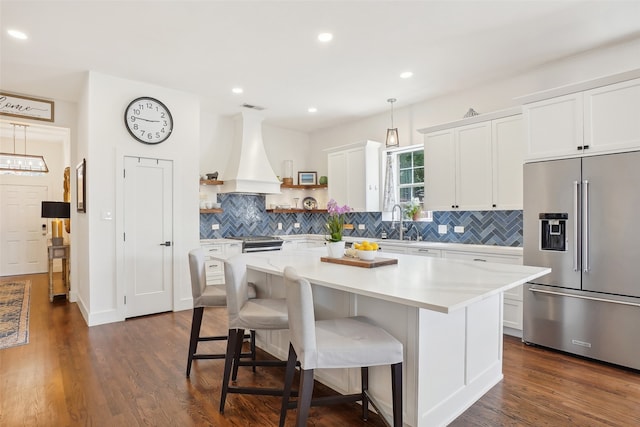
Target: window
410, 167
408, 171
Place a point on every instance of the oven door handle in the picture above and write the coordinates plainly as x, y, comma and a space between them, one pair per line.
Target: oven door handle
263, 249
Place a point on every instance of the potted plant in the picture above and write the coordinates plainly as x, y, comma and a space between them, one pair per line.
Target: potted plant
412, 211
335, 227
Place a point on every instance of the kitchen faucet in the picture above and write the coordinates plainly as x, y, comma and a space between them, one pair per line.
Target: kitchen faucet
393, 221
414, 228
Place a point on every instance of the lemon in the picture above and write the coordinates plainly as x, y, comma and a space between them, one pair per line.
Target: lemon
374, 246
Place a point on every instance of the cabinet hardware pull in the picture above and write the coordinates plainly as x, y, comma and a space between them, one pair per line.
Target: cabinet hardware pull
480, 259
167, 243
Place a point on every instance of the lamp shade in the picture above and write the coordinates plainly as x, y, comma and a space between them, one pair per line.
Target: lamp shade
56, 210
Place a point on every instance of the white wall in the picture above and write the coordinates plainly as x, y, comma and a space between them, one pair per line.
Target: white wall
108, 142
491, 97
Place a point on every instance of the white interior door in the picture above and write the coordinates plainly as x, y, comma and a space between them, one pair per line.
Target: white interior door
23, 239
148, 231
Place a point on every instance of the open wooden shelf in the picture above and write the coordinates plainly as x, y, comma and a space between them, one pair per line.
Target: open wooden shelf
297, 210
218, 210
304, 187
210, 182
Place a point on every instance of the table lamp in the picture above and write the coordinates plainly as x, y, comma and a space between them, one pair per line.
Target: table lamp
56, 210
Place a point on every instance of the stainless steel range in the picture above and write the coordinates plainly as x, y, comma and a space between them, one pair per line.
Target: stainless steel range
259, 243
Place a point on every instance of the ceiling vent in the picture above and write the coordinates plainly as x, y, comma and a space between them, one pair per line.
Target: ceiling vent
253, 107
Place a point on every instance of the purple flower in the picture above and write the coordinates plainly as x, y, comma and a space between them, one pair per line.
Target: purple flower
335, 224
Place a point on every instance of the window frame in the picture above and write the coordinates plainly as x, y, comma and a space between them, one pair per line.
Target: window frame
396, 152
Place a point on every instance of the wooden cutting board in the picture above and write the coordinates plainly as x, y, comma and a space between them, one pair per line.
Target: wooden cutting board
356, 262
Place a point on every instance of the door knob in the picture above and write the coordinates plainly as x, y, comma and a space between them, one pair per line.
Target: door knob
167, 243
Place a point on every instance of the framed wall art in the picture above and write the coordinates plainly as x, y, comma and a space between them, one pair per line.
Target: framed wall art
81, 186
26, 107
307, 178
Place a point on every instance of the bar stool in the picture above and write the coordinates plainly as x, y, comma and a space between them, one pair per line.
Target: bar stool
338, 343
207, 296
244, 313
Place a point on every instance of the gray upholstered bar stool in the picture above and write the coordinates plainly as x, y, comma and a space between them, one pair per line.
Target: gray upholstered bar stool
253, 314
337, 343
207, 296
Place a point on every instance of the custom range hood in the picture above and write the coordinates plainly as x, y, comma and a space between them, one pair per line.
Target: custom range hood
249, 170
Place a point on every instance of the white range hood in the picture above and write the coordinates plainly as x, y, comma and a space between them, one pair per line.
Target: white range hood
249, 170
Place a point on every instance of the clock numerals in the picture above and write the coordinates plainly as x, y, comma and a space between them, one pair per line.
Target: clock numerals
148, 120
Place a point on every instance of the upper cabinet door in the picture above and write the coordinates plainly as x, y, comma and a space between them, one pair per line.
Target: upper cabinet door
474, 168
440, 171
354, 175
508, 152
612, 117
337, 171
554, 127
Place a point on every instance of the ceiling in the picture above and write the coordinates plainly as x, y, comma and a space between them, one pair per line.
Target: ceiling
270, 49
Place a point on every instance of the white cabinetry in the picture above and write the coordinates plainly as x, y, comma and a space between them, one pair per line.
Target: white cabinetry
477, 166
512, 315
213, 253
612, 117
554, 127
392, 249
301, 243
603, 119
458, 168
354, 175
507, 146
428, 252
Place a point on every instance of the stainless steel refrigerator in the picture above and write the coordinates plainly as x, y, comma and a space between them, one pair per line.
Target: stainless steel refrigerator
582, 219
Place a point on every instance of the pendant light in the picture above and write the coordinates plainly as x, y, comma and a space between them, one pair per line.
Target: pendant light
392, 133
24, 164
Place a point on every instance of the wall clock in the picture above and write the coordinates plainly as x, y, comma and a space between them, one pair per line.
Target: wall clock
148, 120
309, 203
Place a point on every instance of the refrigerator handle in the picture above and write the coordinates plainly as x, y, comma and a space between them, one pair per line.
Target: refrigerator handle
585, 228
576, 192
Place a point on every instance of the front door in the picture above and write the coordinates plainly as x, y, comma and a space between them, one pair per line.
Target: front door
148, 231
23, 234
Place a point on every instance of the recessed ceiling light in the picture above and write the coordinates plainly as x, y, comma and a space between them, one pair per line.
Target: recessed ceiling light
312, 110
406, 75
237, 90
17, 34
325, 37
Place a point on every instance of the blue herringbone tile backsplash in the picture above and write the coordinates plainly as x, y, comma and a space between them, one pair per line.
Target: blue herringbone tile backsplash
246, 215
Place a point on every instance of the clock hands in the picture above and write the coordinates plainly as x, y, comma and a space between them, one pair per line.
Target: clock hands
147, 120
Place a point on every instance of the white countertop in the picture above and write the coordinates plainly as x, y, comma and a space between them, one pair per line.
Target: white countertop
436, 284
486, 249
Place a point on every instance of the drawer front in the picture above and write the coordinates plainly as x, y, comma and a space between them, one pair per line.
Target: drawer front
214, 266
512, 314
217, 279
480, 257
434, 253
212, 250
514, 294
232, 249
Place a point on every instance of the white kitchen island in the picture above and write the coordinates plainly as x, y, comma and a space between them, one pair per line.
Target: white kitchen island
447, 313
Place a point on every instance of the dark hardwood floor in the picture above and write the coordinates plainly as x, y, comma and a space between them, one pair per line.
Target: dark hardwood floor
132, 373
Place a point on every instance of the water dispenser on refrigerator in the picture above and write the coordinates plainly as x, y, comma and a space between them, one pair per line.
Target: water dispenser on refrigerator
553, 231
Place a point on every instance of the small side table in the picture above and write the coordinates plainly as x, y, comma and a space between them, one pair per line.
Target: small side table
59, 252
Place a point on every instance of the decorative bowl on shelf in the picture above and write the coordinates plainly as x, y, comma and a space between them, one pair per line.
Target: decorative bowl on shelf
367, 255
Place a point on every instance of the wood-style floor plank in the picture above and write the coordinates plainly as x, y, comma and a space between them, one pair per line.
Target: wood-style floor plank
132, 374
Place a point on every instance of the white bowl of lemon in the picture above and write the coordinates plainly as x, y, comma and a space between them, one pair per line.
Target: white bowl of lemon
366, 251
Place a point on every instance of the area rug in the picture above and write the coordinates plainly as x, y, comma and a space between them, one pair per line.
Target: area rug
14, 313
